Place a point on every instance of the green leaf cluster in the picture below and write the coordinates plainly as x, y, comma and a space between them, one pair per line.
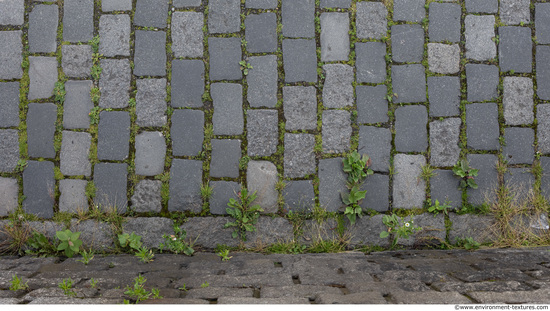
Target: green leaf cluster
245, 214
176, 242
438, 208
133, 241
39, 245
398, 227
70, 242
138, 291
357, 168
463, 170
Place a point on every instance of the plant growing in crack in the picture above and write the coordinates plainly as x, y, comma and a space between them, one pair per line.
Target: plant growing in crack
133, 241
176, 242
357, 168
245, 66
397, 226
245, 214
69, 242
17, 284
139, 293
67, 286
463, 170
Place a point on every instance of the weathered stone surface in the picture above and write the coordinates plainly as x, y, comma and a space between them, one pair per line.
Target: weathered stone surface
187, 132
444, 96
479, 33
150, 53
378, 193
299, 196
78, 20
482, 6
151, 229
371, 62
408, 187
515, 49
39, 189
41, 120
356, 298
114, 83
208, 232
42, 75
262, 177
444, 187
543, 72
261, 33
487, 178
471, 226
9, 150
482, 129
338, 88
514, 12
519, 145
110, 180
409, 83
76, 60
334, 37
342, 4
226, 154
520, 181
113, 135
225, 55
151, 102
298, 18
542, 23
366, 231
224, 16
372, 104
150, 153
9, 194
515, 297
116, 5
11, 55
300, 107
95, 234
444, 137
408, 10
410, 128
376, 143
434, 297
185, 186
222, 191
298, 290
262, 81
48, 229
543, 128
261, 4
332, 183
443, 58
151, 13
147, 196
371, 20
114, 34
432, 230
12, 12
407, 43
336, 131
9, 104
482, 82
187, 83
300, 61
518, 100
269, 231
43, 29
262, 132
215, 292
228, 116
73, 196
187, 35
299, 159
444, 24
74, 156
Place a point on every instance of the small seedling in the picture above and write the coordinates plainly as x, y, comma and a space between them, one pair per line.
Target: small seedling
245, 214
183, 288
176, 242
145, 255
39, 245
86, 257
138, 291
468, 243
205, 285
130, 240
70, 242
17, 284
438, 208
398, 227
93, 283
463, 170
67, 286
357, 167
352, 203
21, 165
224, 254
245, 67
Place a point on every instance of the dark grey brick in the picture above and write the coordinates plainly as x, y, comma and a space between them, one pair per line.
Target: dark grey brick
146, 197
151, 102
11, 55
444, 187
335, 44
487, 178
110, 181
514, 12
408, 10
342, 4
300, 60
113, 135
222, 191
299, 159
444, 22
73, 195
336, 131
12, 12
409, 83
150, 53
543, 71
482, 129
74, 155
482, 6
42, 75
410, 129
482, 81
186, 3
262, 81
338, 87
515, 50
224, 16
228, 116
150, 153
479, 32
409, 188
298, 18
187, 83
151, 13
41, 120
225, 55
226, 154
519, 147
444, 139
9, 150
43, 29
114, 83
299, 196
261, 33
187, 132
300, 107
376, 143
185, 186
371, 20
9, 104
372, 105
543, 128
520, 181
332, 183
262, 128
39, 189
378, 193
114, 35
407, 43
116, 5
77, 105
76, 60
371, 62
187, 35
78, 20
261, 4
444, 96
518, 100
542, 23
9, 195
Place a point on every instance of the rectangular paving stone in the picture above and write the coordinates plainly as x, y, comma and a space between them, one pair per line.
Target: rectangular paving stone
444, 58
261, 4
376, 143
78, 20
444, 187
226, 154
298, 18
409, 83
408, 10
444, 24
521, 181
300, 107
39, 188
151, 102
222, 191
187, 83
336, 131
378, 193
43, 29
371, 62
228, 116
338, 87
409, 189
150, 53
543, 71
77, 105
9, 150
116, 5
150, 153
518, 100
146, 197
113, 135
76, 60
332, 183
464, 226
261, 33
515, 49
262, 178
41, 120
299, 159
542, 22
444, 96
334, 37
372, 105
11, 55
300, 60
42, 75
114, 35
342, 4
519, 145
262, 129
410, 128
151, 13
543, 128
514, 12
75, 152
9, 104
482, 6
187, 35
187, 132
487, 178
407, 43
479, 33
110, 180
12, 12
72, 198
545, 180
8, 195
444, 139
224, 16
225, 55
185, 186
262, 81
114, 83
371, 20
482, 129
299, 195
482, 82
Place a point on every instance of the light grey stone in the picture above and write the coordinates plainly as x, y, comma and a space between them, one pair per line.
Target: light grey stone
114, 83
73, 196
9, 104
478, 227
543, 128
371, 20
262, 132
187, 35
209, 232
9, 150
334, 37
514, 12
262, 178
338, 88
12, 12
75, 152
336, 131
76, 60
11, 55
408, 185
42, 34
269, 231
299, 159
151, 229
151, 102
444, 58
77, 105
96, 235
444, 137
224, 16
150, 153
300, 107
479, 33
114, 35
518, 100
78, 20
42, 75
116, 5
9, 194
432, 230
262, 81
147, 196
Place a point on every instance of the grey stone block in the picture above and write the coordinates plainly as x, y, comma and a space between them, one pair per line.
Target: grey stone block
542, 64
9, 194
39, 189
269, 231
336, 131
261, 4
150, 153
110, 180
514, 12
228, 116
378, 193
151, 102
371, 20
150, 53
482, 6
77, 105
482, 129
408, 10
151, 13
543, 128
11, 55
371, 62
477, 227
299, 196
444, 58
222, 191
226, 154
187, 83
78, 20
76, 60
487, 178
114, 83
187, 35
298, 18
9, 150
444, 187
300, 60
342, 4
224, 16
334, 37
262, 132
262, 177
482, 82
185, 186
41, 120
299, 159
42, 75
545, 179
114, 35
409, 188
520, 181
376, 143
225, 55
74, 156
262, 81
151, 229
332, 183
73, 196
409, 83
9, 104
372, 105
432, 230
407, 43
542, 23
444, 138
366, 231
410, 129
96, 235
43, 29
519, 148
186, 3
261, 33
444, 24
444, 96
515, 49
147, 197
338, 87
208, 232
116, 5
113, 135
518, 100
12, 12
47, 228
479, 32
187, 132
300, 107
